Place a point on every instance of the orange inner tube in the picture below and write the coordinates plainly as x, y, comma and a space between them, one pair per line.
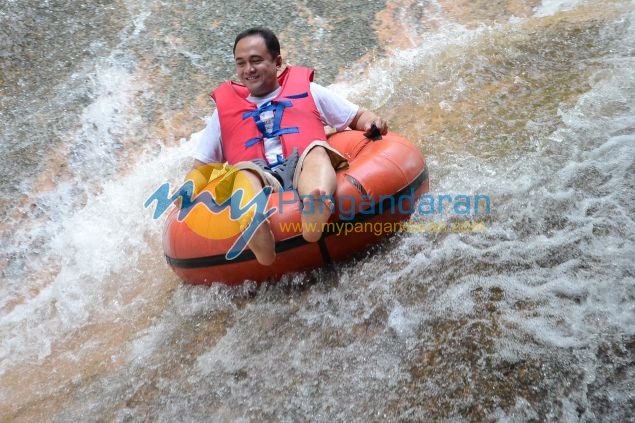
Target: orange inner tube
379, 187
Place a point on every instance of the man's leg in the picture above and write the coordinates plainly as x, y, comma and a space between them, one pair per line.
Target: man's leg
262, 243
316, 180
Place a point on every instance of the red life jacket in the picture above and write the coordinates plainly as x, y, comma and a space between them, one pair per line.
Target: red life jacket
297, 120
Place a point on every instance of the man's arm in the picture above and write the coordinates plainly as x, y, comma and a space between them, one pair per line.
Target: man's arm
209, 149
197, 164
336, 111
364, 119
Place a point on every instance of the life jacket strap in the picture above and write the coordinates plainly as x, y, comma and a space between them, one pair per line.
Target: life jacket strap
277, 107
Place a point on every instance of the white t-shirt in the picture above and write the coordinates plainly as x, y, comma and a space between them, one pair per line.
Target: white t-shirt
334, 110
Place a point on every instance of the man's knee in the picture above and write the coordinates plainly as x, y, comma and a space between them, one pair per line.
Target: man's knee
318, 154
254, 177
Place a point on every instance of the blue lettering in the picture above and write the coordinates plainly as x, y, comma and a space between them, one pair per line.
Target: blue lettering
366, 204
411, 201
386, 199
441, 198
281, 198
206, 198
462, 201
429, 203
347, 213
261, 214
481, 197
164, 202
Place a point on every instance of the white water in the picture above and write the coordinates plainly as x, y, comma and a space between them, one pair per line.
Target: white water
533, 319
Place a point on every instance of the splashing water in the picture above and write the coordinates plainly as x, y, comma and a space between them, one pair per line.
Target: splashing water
528, 102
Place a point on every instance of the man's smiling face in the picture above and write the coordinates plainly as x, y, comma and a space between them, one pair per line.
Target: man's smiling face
255, 66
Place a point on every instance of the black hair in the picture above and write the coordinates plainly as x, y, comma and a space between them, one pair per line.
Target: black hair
271, 41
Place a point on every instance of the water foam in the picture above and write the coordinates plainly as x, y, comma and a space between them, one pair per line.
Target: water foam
90, 233
551, 7
289, 351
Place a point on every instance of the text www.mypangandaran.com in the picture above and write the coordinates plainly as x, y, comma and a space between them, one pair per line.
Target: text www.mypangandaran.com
380, 228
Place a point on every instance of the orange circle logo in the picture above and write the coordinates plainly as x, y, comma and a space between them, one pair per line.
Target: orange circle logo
219, 188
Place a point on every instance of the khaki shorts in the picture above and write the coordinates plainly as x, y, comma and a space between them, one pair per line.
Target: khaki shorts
337, 160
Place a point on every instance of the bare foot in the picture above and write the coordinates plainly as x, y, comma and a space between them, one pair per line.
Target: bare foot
316, 210
263, 244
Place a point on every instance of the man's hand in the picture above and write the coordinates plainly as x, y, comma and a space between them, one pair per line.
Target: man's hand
365, 119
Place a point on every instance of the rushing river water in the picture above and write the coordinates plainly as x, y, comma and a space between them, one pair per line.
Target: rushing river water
532, 319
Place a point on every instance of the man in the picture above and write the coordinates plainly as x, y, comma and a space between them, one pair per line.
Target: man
272, 128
